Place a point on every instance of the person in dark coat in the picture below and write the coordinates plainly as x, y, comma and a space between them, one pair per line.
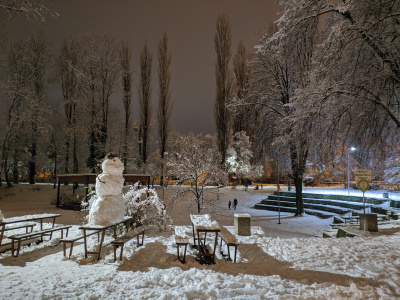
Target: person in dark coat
229, 204
235, 202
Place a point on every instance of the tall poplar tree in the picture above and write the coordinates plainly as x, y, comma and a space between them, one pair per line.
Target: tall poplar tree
146, 61
164, 94
224, 84
125, 61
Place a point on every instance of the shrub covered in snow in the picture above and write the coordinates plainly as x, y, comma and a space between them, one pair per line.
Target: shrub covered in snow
145, 210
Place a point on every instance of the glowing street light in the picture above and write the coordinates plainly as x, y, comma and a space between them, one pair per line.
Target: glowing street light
348, 168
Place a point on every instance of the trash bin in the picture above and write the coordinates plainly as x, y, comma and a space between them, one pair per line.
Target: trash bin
369, 222
242, 224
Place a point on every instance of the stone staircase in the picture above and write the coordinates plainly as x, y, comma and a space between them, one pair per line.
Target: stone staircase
321, 205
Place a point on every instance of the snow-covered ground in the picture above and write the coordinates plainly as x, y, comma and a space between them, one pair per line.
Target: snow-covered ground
269, 266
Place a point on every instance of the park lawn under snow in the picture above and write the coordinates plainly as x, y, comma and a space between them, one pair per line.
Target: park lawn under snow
268, 268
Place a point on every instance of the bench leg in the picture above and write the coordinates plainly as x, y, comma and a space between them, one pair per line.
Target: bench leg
70, 249
122, 250
115, 252
18, 247
235, 253
64, 248
184, 252
140, 243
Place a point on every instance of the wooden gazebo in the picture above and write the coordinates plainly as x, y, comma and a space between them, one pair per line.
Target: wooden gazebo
90, 178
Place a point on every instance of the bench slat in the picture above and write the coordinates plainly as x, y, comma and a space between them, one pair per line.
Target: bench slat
20, 237
230, 241
129, 235
228, 237
37, 233
181, 240
20, 226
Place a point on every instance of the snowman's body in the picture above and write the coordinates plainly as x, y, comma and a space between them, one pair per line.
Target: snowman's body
108, 208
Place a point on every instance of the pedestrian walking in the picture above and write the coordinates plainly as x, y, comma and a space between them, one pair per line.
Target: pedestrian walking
229, 204
235, 203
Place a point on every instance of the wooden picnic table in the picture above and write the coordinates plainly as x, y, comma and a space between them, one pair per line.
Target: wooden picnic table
202, 224
26, 218
90, 229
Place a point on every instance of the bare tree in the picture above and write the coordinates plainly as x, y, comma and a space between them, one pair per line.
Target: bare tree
146, 61
99, 71
125, 61
33, 9
164, 96
241, 117
16, 88
67, 68
224, 84
39, 58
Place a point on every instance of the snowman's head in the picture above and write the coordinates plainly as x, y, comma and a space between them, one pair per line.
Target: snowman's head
112, 165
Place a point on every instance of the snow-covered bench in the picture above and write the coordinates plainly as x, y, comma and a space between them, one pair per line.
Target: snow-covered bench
16, 239
72, 240
120, 242
181, 241
230, 241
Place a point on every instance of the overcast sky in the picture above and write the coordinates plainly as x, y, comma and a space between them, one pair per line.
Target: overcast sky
190, 26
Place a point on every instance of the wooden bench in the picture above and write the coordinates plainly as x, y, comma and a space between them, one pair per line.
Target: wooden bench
120, 242
33, 234
230, 241
73, 240
181, 241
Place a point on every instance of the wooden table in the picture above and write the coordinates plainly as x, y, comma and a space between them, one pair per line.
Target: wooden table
202, 224
90, 229
27, 218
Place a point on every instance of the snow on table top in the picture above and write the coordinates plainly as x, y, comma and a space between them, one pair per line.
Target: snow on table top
203, 221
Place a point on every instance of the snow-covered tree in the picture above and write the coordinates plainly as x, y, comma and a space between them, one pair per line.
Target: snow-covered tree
144, 205
239, 154
354, 80
279, 67
197, 163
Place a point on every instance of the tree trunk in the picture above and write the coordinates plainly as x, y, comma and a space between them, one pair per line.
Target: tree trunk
15, 167
298, 182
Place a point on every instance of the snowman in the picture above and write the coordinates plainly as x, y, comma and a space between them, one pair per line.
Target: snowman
108, 208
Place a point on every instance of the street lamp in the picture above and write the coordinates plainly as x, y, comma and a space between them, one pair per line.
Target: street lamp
348, 168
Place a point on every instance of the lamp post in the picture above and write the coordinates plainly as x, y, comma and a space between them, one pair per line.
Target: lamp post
348, 168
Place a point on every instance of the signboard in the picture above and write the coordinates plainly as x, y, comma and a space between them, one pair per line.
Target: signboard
363, 185
362, 175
